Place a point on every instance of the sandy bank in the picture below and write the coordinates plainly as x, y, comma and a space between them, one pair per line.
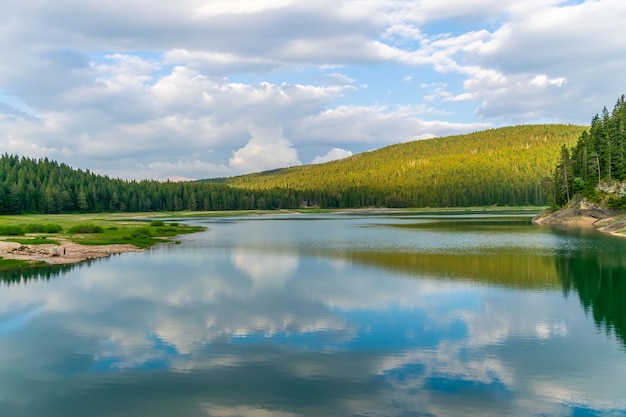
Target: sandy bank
66, 253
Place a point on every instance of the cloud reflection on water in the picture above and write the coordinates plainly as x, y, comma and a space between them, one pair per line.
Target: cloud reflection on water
256, 332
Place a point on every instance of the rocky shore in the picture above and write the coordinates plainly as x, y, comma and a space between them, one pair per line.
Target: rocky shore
582, 213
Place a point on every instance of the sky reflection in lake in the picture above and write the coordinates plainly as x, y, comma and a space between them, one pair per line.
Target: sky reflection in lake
322, 315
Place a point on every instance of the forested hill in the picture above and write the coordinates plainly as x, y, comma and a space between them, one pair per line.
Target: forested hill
505, 166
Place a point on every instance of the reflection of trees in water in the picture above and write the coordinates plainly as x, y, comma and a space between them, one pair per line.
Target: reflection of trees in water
504, 268
37, 273
600, 281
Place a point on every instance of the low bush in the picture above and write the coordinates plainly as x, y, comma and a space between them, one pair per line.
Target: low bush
157, 223
166, 230
38, 240
11, 230
141, 231
86, 228
52, 228
34, 228
617, 203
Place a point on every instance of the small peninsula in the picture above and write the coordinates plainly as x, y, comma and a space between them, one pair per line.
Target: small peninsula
33, 240
583, 213
588, 183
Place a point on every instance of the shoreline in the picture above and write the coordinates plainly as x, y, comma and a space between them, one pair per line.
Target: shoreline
609, 223
66, 253
84, 237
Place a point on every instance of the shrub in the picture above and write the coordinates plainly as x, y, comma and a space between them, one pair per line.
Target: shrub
166, 230
617, 203
38, 240
52, 228
157, 223
34, 228
141, 231
86, 228
11, 231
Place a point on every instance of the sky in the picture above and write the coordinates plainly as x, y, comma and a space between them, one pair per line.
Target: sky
194, 89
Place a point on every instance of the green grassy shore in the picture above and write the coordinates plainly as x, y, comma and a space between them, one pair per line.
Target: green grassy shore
139, 230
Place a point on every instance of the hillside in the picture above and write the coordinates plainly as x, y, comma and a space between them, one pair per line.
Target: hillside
504, 166
507, 166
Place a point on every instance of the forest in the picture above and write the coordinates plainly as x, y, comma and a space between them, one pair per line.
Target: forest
598, 156
508, 166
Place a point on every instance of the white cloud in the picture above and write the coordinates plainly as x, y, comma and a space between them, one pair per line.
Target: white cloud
187, 170
218, 410
126, 84
266, 149
265, 270
332, 155
221, 7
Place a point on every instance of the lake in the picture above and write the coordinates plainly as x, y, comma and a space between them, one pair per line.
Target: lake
353, 314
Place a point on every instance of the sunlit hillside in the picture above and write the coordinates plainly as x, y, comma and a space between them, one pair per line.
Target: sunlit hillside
504, 166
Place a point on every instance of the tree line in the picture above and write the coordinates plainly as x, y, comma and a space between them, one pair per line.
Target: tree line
45, 186
598, 156
505, 166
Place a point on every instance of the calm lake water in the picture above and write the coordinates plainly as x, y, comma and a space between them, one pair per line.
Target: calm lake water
326, 315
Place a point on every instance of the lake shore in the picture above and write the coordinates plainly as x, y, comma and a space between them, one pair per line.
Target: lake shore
57, 239
583, 215
66, 252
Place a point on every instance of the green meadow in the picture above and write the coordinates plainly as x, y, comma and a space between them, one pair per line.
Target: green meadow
139, 229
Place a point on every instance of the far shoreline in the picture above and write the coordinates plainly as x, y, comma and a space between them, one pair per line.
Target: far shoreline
67, 252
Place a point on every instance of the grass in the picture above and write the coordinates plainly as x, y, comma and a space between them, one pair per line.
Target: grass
96, 229
36, 240
9, 264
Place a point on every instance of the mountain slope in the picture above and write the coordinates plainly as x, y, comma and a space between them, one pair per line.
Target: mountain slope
504, 166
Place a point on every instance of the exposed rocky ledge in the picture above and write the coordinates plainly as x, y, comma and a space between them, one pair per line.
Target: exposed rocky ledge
583, 213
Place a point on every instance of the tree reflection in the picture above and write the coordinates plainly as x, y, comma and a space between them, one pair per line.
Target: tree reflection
600, 281
37, 273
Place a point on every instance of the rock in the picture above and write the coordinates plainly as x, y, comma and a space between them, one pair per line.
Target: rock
582, 212
613, 187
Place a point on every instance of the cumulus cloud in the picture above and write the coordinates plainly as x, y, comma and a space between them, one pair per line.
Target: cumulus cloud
266, 149
118, 87
332, 155
185, 170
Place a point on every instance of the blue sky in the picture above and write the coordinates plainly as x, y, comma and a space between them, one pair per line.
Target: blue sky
201, 89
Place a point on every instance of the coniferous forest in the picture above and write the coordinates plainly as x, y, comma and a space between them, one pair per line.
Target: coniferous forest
598, 156
508, 166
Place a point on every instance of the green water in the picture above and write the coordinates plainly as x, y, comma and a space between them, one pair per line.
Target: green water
326, 315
